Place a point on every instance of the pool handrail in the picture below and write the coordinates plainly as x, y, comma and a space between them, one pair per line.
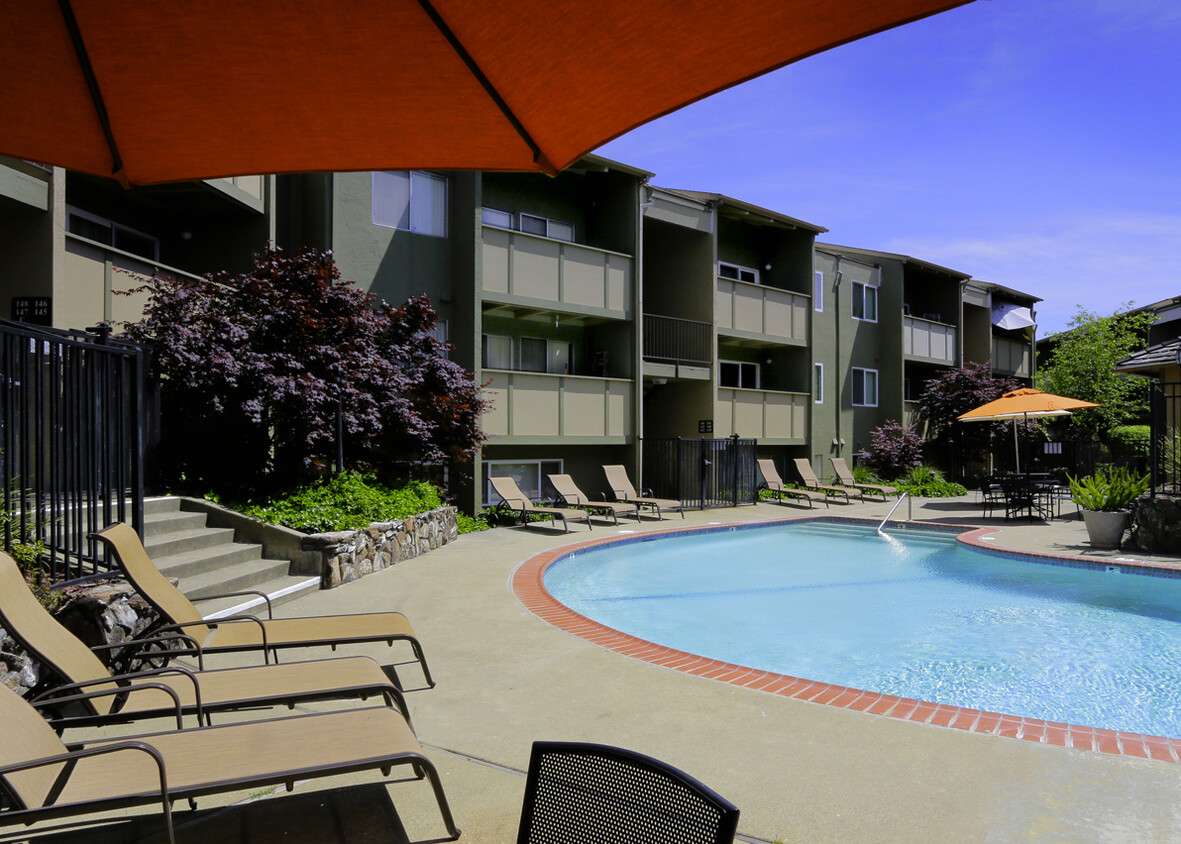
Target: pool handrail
904, 497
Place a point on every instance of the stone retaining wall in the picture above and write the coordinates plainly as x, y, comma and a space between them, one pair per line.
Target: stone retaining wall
348, 555
1156, 524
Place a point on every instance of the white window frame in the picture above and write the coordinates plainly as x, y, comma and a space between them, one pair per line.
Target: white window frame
740, 364
550, 226
484, 351
817, 383
818, 291
859, 294
739, 270
859, 377
549, 355
485, 212
115, 228
412, 177
490, 496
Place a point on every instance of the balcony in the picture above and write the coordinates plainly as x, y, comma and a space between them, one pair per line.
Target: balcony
929, 340
758, 312
525, 269
535, 407
765, 415
1012, 357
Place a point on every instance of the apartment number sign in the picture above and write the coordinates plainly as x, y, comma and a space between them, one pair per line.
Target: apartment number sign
705, 426
35, 310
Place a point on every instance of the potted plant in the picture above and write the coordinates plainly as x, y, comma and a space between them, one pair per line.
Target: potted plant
1104, 498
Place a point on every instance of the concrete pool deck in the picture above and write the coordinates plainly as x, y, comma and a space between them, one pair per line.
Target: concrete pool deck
799, 771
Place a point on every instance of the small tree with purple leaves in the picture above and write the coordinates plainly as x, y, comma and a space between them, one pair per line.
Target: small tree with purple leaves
252, 368
956, 391
894, 449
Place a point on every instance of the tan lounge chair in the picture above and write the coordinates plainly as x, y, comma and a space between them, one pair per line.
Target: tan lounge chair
622, 489
776, 485
43, 778
809, 479
845, 478
514, 499
571, 494
88, 694
247, 632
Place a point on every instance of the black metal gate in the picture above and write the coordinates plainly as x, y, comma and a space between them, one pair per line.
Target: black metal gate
74, 423
1165, 450
702, 473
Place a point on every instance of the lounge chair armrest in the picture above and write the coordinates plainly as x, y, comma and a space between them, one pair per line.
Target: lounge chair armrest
242, 594
192, 646
45, 702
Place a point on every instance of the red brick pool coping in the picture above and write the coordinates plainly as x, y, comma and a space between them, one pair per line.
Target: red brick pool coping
528, 584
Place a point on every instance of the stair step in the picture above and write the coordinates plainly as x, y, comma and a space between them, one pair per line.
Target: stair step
180, 541
163, 504
158, 524
248, 575
199, 560
280, 591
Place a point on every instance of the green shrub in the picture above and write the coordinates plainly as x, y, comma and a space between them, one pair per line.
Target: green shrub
926, 482
1108, 489
348, 501
1130, 440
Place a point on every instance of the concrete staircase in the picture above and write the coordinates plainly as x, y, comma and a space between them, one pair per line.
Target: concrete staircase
207, 561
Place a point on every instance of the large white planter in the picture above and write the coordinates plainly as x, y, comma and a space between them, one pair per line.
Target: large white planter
1105, 529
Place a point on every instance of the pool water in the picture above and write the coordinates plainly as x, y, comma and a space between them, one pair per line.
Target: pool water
914, 614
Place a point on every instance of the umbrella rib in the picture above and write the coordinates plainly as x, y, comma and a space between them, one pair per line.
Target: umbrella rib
462, 52
96, 95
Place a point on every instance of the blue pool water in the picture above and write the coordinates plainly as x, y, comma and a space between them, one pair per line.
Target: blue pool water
913, 614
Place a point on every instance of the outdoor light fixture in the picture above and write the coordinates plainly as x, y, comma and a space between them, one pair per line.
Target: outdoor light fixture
1178, 357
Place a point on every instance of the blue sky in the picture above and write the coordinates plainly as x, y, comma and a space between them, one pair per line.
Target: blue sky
1032, 143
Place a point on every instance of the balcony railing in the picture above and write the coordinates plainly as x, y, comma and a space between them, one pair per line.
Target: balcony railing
1012, 357
761, 414
757, 309
672, 340
542, 270
537, 405
922, 338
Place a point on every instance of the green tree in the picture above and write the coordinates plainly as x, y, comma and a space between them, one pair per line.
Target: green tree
1082, 366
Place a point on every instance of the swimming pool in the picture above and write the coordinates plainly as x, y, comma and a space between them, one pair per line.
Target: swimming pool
920, 617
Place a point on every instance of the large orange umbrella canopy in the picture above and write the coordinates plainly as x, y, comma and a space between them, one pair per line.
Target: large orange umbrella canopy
161, 90
1024, 404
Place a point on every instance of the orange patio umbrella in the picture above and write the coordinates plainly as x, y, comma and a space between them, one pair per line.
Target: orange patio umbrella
1023, 405
158, 90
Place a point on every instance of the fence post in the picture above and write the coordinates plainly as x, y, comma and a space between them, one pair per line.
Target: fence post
734, 458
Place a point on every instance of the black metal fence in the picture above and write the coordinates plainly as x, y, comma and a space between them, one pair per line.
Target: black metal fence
1165, 455
702, 473
74, 426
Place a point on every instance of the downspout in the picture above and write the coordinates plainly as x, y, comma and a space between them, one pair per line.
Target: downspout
836, 298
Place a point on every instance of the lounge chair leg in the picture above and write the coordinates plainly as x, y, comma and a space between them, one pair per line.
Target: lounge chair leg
440, 797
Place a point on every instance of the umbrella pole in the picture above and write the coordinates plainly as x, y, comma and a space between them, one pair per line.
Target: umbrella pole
1016, 447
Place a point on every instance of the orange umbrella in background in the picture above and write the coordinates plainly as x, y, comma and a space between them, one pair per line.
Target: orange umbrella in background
157, 90
1021, 406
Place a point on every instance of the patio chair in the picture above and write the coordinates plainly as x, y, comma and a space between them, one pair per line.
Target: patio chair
992, 496
42, 778
593, 794
571, 494
513, 499
247, 632
87, 693
622, 489
810, 481
776, 485
845, 478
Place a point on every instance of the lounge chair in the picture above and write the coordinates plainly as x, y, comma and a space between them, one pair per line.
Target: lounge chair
513, 499
622, 489
246, 632
845, 478
590, 793
42, 778
571, 494
810, 481
88, 694
777, 486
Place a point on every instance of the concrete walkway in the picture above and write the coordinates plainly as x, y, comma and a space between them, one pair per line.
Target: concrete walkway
799, 772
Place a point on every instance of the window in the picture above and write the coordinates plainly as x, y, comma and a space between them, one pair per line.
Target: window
93, 227
865, 302
865, 387
733, 373
818, 292
412, 201
492, 217
498, 352
818, 383
539, 355
443, 335
547, 228
530, 475
736, 272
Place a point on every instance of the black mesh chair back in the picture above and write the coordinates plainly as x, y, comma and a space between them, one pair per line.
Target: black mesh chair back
595, 794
